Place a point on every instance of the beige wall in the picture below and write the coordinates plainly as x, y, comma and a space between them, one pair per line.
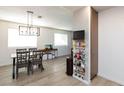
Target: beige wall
45, 37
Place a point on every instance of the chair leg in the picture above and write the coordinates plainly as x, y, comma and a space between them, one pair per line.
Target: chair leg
16, 72
28, 70
41, 66
32, 69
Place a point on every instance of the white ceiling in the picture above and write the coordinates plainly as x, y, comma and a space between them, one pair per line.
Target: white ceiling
56, 16
97, 8
102, 8
52, 16
73, 8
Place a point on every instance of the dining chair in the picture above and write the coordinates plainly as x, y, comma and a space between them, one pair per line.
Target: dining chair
32, 49
22, 61
21, 50
36, 59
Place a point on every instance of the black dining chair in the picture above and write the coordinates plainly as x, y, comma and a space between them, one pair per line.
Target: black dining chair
32, 49
22, 61
36, 59
21, 50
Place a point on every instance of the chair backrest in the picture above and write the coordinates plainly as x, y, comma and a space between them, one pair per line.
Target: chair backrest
21, 50
31, 53
32, 49
22, 57
36, 54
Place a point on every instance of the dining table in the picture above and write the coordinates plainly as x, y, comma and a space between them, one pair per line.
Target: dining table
52, 51
14, 56
44, 51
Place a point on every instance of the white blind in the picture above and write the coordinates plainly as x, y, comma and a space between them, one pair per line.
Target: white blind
60, 39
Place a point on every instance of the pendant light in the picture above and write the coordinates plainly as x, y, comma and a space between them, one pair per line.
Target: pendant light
29, 29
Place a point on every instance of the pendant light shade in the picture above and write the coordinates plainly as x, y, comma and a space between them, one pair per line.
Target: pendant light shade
29, 29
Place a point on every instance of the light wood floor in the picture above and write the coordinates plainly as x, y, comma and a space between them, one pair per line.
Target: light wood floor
53, 75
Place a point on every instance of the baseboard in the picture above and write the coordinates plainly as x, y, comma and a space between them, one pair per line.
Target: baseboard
93, 77
105, 77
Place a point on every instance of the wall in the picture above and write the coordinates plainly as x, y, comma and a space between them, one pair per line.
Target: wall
82, 22
4, 50
81, 18
111, 45
46, 37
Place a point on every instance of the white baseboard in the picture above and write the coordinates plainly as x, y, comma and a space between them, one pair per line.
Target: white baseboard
111, 79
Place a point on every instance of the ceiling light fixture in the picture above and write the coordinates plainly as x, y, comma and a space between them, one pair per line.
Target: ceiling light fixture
29, 29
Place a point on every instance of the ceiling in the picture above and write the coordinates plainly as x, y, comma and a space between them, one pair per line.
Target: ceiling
73, 8
97, 8
57, 17
102, 8
52, 16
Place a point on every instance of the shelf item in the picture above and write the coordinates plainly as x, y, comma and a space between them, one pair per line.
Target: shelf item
79, 62
78, 44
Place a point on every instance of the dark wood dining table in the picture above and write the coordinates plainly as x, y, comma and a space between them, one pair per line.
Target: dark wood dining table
53, 52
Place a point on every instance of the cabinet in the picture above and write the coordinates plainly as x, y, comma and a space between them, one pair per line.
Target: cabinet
79, 62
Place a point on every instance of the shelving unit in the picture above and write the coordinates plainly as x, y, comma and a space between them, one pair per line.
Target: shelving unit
79, 63
85, 45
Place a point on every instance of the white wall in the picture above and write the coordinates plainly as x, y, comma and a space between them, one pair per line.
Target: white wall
111, 45
81, 18
46, 37
82, 22
4, 50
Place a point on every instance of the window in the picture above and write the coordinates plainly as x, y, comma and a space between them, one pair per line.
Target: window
15, 40
60, 39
